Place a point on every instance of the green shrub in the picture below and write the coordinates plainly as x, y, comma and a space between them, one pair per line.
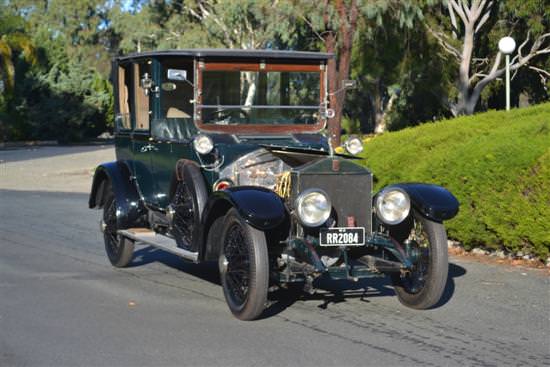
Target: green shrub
496, 163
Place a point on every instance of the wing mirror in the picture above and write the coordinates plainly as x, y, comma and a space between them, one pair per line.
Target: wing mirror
349, 84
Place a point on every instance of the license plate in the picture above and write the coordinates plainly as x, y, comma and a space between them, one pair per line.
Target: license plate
342, 236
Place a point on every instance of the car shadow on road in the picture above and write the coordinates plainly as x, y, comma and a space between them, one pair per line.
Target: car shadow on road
328, 292
206, 271
331, 292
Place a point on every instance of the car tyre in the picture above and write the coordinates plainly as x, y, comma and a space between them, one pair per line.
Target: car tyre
119, 249
244, 267
423, 287
188, 203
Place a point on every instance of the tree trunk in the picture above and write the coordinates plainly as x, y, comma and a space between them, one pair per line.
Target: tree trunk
464, 69
332, 76
251, 93
336, 73
381, 121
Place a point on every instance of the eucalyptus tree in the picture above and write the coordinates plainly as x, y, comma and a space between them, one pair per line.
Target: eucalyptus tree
81, 27
468, 31
335, 24
400, 82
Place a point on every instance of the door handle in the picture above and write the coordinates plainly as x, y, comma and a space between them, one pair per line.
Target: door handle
148, 148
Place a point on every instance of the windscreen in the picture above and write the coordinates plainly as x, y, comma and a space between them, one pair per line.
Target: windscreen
260, 97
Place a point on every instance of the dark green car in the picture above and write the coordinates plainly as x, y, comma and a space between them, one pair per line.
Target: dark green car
222, 156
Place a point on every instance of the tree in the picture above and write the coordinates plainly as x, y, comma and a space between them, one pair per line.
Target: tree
248, 24
463, 23
13, 43
15, 48
335, 23
82, 27
399, 80
135, 28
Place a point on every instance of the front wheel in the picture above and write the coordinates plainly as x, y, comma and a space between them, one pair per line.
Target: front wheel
244, 267
423, 286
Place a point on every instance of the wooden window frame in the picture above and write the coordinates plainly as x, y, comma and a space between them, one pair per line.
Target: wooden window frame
140, 110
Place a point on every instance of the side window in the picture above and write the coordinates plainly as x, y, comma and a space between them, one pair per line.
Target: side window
123, 120
175, 115
176, 89
141, 97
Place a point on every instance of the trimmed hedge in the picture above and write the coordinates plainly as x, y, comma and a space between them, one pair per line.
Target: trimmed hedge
496, 163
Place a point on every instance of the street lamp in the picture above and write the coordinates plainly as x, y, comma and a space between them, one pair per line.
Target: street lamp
507, 45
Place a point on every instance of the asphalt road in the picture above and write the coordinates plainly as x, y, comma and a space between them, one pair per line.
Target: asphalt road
62, 304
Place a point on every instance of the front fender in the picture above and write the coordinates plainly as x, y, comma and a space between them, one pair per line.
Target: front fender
258, 206
432, 201
129, 205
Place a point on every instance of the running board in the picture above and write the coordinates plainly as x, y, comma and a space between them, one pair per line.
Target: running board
165, 243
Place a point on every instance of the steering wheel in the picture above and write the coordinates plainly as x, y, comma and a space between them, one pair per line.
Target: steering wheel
226, 114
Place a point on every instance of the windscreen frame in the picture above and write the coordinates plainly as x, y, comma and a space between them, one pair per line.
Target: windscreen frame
261, 66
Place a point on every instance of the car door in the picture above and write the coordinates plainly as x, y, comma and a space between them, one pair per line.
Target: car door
142, 143
172, 125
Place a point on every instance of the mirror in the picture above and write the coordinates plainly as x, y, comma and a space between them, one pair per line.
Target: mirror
177, 74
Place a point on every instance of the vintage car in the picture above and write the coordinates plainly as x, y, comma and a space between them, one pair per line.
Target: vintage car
222, 156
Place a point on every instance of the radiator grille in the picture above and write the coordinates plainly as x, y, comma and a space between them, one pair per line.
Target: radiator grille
350, 193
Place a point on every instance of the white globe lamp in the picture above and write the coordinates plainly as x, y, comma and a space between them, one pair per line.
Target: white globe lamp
507, 45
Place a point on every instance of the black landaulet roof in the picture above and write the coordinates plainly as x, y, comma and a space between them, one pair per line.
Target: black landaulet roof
229, 53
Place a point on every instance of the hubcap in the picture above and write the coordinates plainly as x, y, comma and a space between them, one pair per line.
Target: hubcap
223, 264
418, 249
102, 226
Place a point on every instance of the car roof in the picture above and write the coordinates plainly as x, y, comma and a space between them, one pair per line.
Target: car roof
232, 53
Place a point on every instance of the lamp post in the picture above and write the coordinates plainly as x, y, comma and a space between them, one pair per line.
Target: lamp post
507, 45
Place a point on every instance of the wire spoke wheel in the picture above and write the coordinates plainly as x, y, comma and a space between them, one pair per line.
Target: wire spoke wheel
110, 232
423, 286
244, 267
184, 206
238, 263
119, 249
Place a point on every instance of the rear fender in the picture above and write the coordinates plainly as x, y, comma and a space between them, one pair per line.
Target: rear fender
129, 205
432, 201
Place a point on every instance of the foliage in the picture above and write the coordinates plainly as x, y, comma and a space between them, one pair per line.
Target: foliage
396, 71
496, 163
404, 76
49, 92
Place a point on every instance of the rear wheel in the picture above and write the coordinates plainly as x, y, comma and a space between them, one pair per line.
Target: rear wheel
119, 248
244, 267
185, 215
187, 205
422, 287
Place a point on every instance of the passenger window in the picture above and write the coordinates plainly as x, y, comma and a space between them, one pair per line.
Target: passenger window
141, 97
123, 121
